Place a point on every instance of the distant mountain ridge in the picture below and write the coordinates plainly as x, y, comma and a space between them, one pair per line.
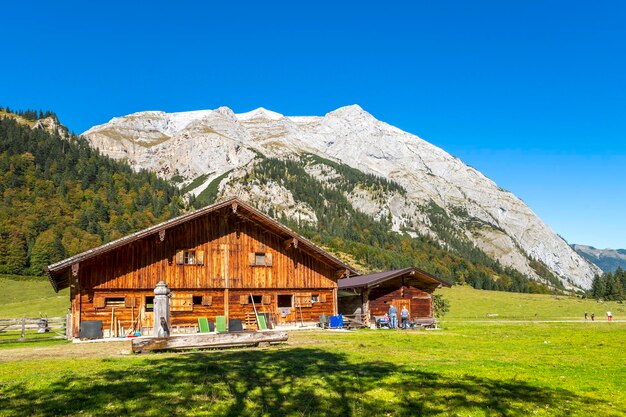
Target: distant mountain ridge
216, 153
606, 259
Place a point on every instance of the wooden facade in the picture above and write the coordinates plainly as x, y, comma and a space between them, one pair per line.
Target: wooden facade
216, 261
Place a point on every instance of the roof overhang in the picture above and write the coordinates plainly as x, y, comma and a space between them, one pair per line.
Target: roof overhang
410, 276
59, 273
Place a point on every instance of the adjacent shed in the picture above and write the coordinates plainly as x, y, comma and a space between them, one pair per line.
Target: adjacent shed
370, 296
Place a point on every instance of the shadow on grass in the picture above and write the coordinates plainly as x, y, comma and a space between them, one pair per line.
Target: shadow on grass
276, 382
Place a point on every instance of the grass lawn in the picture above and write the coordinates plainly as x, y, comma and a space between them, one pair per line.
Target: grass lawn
466, 369
30, 297
469, 304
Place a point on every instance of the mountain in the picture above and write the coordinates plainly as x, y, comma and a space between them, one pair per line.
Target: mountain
428, 192
606, 259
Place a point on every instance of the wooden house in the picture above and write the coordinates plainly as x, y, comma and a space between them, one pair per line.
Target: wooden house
216, 261
370, 296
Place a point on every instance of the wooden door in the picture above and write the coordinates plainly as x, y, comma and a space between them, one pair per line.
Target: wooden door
402, 302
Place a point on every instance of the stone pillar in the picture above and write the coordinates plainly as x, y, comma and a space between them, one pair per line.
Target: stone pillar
162, 296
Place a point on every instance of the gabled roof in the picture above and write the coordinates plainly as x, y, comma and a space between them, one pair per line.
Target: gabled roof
58, 272
371, 280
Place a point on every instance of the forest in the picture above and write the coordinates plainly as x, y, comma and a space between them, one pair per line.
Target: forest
60, 197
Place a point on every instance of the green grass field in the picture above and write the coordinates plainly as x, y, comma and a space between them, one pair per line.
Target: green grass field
30, 297
467, 303
467, 369
487, 360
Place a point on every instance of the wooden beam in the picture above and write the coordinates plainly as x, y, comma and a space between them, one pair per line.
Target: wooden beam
222, 340
291, 242
341, 273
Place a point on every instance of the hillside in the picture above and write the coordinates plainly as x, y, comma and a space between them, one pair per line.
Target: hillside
606, 259
61, 197
428, 194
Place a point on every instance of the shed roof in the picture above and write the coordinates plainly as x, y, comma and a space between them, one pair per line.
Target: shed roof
58, 272
371, 280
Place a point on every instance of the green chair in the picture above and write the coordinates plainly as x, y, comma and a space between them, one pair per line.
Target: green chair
261, 322
220, 324
203, 324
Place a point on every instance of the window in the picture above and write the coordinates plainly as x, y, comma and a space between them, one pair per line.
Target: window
189, 257
260, 259
197, 300
285, 300
315, 298
114, 302
258, 299
149, 303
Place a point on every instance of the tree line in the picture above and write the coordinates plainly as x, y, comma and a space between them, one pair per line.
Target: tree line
32, 115
609, 286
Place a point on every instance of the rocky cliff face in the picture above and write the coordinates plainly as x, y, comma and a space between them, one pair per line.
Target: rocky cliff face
202, 147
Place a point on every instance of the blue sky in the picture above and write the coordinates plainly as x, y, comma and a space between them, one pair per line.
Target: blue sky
532, 93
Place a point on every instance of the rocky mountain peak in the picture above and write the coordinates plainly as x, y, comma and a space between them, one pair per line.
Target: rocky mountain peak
260, 113
217, 145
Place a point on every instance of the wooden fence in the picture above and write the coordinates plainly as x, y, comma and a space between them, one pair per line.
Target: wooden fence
30, 329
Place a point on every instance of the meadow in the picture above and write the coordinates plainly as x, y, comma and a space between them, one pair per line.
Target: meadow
466, 369
477, 364
24, 296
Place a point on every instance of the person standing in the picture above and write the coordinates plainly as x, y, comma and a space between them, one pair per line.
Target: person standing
593, 316
609, 316
393, 316
586, 316
405, 317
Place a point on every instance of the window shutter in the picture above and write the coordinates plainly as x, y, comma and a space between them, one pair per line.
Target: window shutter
304, 300
199, 257
322, 298
243, 299
181, 302
252, 258
99, 302
207, 300
129, 301
267, 299
268, 259
180, 257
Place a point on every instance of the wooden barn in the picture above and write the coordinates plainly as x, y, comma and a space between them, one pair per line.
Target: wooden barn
217, 261
370, 296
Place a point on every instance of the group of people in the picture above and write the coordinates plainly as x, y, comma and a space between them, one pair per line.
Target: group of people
609, 316
391, 318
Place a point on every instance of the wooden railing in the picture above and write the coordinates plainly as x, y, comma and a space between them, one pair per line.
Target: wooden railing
32, 329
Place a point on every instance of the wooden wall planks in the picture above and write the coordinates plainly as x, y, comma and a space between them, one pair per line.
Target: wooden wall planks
227, 241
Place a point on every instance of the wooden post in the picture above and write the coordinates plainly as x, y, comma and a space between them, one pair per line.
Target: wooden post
365, 306
75, 300
225, 274
335, 307
23, 336
112, 321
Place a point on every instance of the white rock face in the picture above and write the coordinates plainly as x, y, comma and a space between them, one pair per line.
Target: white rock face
213, 142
